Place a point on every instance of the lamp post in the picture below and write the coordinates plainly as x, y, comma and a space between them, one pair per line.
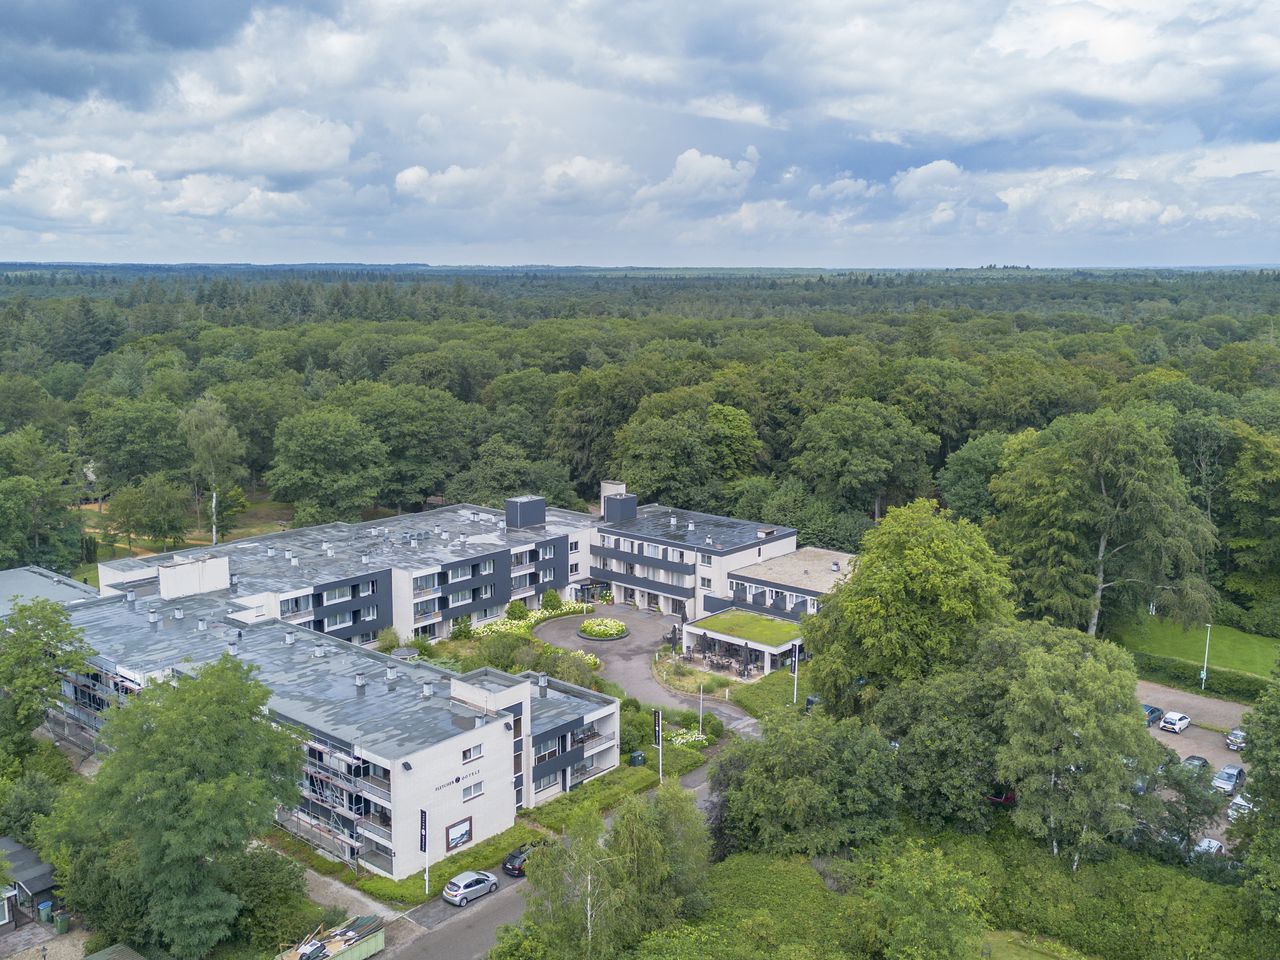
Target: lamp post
1204, 674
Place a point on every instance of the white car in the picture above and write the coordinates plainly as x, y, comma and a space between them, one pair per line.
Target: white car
1240, 806
1175, 722
1208, 847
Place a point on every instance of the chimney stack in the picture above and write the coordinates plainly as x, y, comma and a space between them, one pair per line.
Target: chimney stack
153, 618
271, 551
542, 684
233, 645
177, 613
391, 672
360, 681
426, 689
318, 653
202, 623
289, 638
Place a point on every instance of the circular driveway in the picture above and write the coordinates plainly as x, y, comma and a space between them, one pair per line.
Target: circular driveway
626, 661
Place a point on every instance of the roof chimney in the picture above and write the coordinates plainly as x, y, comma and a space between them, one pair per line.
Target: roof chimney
360, 680
413, 543
288, 554
426, 689
177, 613
271, 551
293, 561
131, 598
542, 684
233, 645
708, 540
437, 528
690, 525
391, 672
202, 623
364, 558
235, 583
674, 522
318, 652
289, 638
153, 618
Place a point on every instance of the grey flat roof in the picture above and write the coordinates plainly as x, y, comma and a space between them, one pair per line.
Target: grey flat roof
31, 583
410, 541
807, 569
653, 522
563, 702
25, 866
389, 718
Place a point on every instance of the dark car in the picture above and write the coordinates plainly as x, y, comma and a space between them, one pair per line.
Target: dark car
1152, 714
1195, 763
514, 864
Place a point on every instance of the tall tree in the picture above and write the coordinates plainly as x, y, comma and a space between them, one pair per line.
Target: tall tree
128, 439
964, 479
865, 454
1094, 507
1262, 752
154, 508
810, 784
328, 464
1253, 485
217, 453
924, 586
195, 772
500, 470
39, 643
1070, 724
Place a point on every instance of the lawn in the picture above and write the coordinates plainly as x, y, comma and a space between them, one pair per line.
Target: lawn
755, 627
1011, 945
679, 675
772, 692
1229, 649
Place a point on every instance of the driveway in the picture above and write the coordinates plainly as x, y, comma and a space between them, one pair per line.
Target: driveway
626, 662
1203, 711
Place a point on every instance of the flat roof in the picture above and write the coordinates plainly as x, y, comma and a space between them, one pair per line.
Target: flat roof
25, 866
653, 521
754, 627
31, 583
390, 719
411, 541
808, 569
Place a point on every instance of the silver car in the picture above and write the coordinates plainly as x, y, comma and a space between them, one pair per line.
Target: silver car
467, 886
1240, 806
1229, 779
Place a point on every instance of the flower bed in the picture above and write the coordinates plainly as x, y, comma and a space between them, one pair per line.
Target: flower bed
570, 608
602, 628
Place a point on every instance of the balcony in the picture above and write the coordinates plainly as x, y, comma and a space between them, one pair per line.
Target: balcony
524, 567
642, 583
376, 859
326, 772
375, 829
581, 774
593, 741
374, 787
427, 593
671, 566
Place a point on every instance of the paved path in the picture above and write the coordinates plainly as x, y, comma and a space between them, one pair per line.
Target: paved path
626, 662
1203, 710
330, 892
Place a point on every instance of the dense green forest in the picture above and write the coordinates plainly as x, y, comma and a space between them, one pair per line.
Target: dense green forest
1118, 433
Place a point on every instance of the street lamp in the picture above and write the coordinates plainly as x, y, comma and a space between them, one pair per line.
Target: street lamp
1204, 674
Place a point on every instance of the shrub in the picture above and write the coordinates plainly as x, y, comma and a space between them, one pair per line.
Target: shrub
1225, 684
598, 795
461, 629
273, 893
603, 628
551, 601
516, 610
387, 640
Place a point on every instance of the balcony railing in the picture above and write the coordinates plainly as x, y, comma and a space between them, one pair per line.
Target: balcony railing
594, 742
375, 786
373, 828
427, 592
376, 859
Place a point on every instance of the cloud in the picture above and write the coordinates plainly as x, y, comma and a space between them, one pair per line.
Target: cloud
844, 130
703, 178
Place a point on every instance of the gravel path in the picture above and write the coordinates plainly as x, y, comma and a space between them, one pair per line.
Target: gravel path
1203, 711
330, 892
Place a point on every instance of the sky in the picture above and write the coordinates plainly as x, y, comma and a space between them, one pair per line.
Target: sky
870, 133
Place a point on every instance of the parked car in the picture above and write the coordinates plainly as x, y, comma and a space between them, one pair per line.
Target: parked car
1235, 739
469, 885
1240, 806
513, 865
1209, 847
1196, 763
1153, 714
1229, 779
1175, 722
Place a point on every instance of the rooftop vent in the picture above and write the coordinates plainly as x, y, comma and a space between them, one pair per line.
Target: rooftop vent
542, 684
413, 543
708, 540
153, 617
233, 645
177, 613
131, 596
674, 522
293, 561
328, 551
426, 689
318, 652
202, 623
502, 524
475, 516
479, 722
835, 566
288, 554
359, 679
271, 551
437, 528
290, 638
364, 558
690, 526
391, 672
443, 534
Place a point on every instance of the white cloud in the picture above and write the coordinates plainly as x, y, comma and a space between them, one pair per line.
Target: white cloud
843, 189
702, 178
726, 106
584, 180
88, 187
453, 186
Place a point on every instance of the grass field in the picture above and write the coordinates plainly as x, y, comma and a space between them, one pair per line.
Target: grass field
771, 693
1229, 649
1011, 945
752, 626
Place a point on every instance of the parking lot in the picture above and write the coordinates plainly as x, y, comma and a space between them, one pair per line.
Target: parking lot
1197, 740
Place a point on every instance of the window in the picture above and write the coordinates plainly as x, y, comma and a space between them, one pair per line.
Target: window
704, 583
704, 559
547, 552
679, 555
488, 613
423, 584
295, 605
573, 569
337, 620
486, 566
518, 725
368, 588
369, 613
459, 573
428, 631
459, 598
337, 595
486, 591
472, 753
423, 608
542, 783
573, 546
545, 750
472, 790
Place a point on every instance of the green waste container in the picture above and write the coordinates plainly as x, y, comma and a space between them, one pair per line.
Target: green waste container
61, 922
637, 759
46, 911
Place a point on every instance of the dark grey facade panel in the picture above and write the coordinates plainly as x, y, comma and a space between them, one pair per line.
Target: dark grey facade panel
557, 763
673, 566
667, 589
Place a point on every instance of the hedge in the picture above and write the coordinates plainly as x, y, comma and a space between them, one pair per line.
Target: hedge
1223, 684
598, 795
485, 855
